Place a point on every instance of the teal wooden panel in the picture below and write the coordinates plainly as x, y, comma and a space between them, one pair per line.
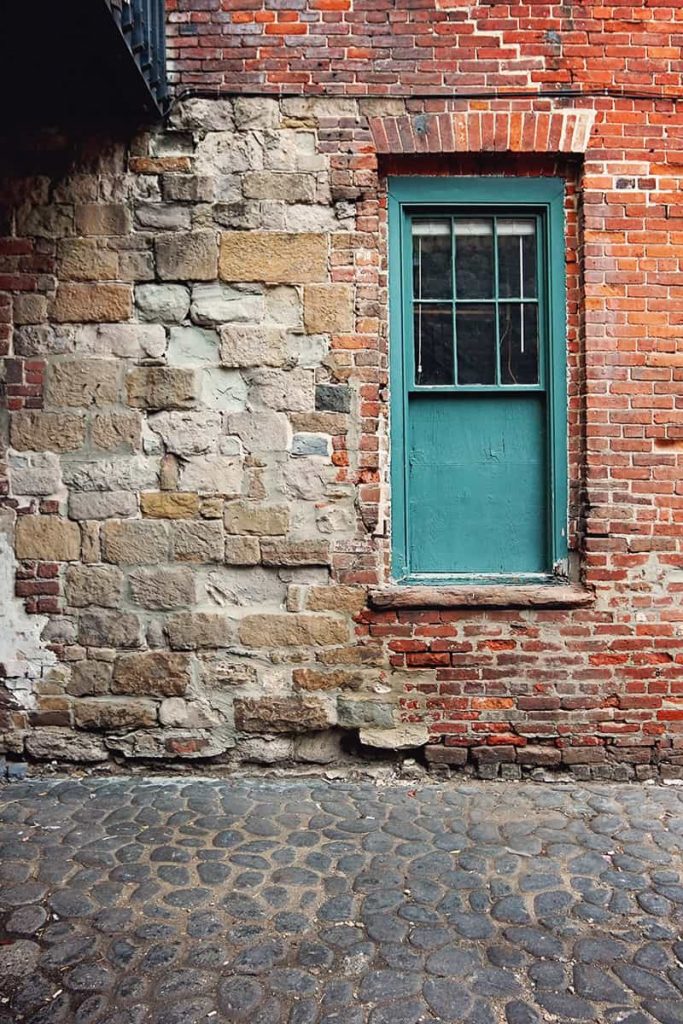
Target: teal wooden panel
477, 483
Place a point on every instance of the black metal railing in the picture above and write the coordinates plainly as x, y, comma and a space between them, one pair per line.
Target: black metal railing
142, 24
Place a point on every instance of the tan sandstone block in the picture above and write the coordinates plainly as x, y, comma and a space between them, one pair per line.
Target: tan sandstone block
169, 504
280, 714
99, 585
81, 259
188, 631
47, 431
134, 542
272, 256
164, 588
115, 714
338, 679
153, 674
242, 551
82, 383
295, 552
187, 256
161, 387
47, 539
328, 308
245, 518
122, 430
102, 219
196, 541
93, 303
336, 599
292, 630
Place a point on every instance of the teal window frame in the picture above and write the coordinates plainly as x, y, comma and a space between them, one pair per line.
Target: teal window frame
507, 196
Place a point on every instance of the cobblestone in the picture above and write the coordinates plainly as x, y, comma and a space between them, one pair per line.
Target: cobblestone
163, 901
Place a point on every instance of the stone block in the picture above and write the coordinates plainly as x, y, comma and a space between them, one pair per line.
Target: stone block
99, 585
117, 431
47, 539
242, 551
194, 541
284, 390
223, 390
252, 113
29, 308
192, 346
187, 188
295, 552
333, 398
82, 259
163, 216
261, 520
126, 341
47, 431
493, 754
187, 433
207, 115
286, 186
136, 266
333, 423
50, 221
64, 745
336, 598
91, 303
134, 542
123, 713
102, 504
89, 679
354, 713
280, 714
35, 474
189, 631
292, 630
102, 219
212, 474
283, 306
583, 755
311, 444
274, 257
162, 303
82, 383
152, 674
108, 629
328, 308
187, 256
161, 387
405, 736
338, 679
240, 214
169, 504
248, 345
219, 304
121, 474
262, 431
437, 753
163, 589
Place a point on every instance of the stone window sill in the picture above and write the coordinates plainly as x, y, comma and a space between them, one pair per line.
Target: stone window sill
538, 595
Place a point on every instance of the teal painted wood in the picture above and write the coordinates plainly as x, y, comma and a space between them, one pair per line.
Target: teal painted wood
477, 484
424, 489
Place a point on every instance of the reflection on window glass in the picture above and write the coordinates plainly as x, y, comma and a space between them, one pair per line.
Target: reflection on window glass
473, 258
475, 326
432, 277
433, 329
516, 258
518, 343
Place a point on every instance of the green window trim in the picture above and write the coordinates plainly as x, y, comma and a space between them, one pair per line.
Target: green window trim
448, 198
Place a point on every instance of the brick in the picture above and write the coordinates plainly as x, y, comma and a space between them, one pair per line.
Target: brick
47, 538
92, 303
274, 257
438, 754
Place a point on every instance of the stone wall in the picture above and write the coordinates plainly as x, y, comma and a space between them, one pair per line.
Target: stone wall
196, 453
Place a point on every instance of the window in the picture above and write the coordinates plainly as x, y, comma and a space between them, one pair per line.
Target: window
479, 464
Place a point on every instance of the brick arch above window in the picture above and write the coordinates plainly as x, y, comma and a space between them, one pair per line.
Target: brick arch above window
481, 131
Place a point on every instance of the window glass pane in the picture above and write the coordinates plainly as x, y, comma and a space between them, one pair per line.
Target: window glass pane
516, 258
518, 343
475, 327
432, 277
433, 326
473, 258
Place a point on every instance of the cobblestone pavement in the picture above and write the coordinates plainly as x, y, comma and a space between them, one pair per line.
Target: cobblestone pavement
315, 902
